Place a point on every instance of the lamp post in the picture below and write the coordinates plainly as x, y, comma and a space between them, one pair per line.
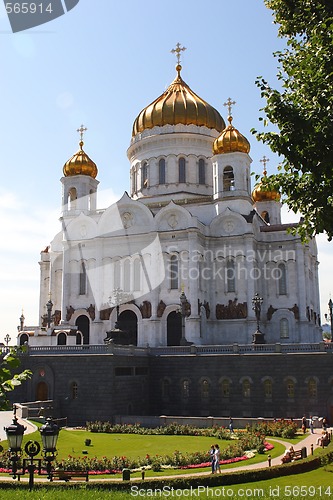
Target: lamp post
14, 433
258, 336
7, 339
118, 297
330, 308
49, 433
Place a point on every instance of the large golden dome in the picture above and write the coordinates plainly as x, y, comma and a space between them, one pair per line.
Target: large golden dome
260, 193
231, 141
80, 164
178, 105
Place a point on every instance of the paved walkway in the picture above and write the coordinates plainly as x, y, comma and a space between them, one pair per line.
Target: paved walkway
6, 418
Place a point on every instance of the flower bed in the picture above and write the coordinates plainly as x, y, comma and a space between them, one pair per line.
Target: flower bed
252, 439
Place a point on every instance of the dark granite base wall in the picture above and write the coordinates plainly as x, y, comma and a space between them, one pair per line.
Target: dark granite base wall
109, 385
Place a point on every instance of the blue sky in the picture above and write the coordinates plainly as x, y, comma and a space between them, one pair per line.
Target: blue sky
99, 65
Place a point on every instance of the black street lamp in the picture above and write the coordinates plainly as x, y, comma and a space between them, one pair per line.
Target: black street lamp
258, 336
7, 339
118, 297
49, 433
14, 433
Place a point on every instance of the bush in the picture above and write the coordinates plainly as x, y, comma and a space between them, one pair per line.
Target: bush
170, 429
282, 428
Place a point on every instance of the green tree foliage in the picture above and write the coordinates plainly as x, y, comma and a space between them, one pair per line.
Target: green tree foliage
302, 111
9, 364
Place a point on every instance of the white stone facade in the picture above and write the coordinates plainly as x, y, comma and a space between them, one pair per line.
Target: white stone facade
189, 223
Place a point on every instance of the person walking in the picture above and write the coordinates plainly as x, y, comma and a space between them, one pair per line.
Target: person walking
231, 425
304, 424
212, 458
217, 459
311, 422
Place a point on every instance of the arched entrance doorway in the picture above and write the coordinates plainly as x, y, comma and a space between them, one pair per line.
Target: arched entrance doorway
42, 391
83, 325
174, 328
62, 339
24, 339
128, 323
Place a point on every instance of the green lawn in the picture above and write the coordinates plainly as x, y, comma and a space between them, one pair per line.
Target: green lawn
72, 442
317, 484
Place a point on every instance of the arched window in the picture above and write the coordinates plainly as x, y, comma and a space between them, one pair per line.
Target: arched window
116, 274
127, 276
185, 388
228, 179
174, 272
78, 340
284, 328
290, 389
83, 279
134, 185
312, 388
230, 276
268, 388
205, 389
202, 171
182, 170
72, 197
225, 388
144, 175
161, 171
137, 275
282, 277
62, 339
246, 388
165, 388
74, 390
215, 178
265, 216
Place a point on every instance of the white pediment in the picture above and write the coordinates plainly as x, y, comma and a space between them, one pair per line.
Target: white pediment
229, 223
126, 216
173, 217
80, 228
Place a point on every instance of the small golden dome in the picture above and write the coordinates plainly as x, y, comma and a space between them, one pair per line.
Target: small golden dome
178, 105
80, 164
231, 141
261, 194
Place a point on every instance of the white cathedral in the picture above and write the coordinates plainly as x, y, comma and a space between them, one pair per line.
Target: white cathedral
185, 256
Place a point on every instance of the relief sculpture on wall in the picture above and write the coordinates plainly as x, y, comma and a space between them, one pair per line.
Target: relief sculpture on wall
233, 310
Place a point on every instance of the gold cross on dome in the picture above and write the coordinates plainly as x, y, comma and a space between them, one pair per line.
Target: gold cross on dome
264, 161
177, 51
229, 103
81, 131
